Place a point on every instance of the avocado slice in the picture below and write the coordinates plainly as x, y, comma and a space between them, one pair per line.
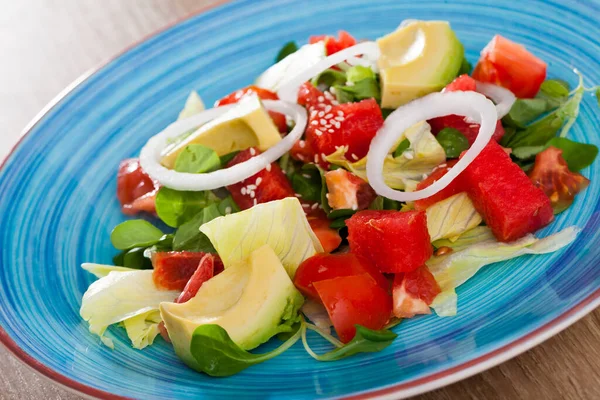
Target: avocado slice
417, 59
252, 300
246, 125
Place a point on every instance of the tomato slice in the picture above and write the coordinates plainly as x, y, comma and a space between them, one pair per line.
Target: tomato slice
510, 65
136, 191
333, 45
328, 266
354, 300
413, 292
551, 174
330, 238
264, 94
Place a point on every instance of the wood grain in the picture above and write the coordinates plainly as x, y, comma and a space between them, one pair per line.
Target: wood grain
46, 44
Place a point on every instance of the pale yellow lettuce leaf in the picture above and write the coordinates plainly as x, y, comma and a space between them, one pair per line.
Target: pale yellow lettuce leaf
451, 217
193, 105
281, 224
479, 234
454, 269
101, 270
143, 329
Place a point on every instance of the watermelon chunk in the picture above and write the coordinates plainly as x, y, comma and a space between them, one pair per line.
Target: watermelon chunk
267, 185
508, 201
453, 188
173, 269
393, 241
413, 292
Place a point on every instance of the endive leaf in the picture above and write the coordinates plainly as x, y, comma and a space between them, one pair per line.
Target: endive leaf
143, 329
451, 217
454, 269
281, 224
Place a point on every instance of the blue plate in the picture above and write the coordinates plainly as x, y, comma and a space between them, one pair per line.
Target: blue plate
58, 206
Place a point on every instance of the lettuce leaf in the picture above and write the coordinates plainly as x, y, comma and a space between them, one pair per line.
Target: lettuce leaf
281, 224
479, 234
407, 170
193, 105
119, 296
143, 329
454, 269
451, 217
101, 270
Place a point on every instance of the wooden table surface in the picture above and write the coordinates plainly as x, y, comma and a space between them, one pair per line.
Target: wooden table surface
46, 44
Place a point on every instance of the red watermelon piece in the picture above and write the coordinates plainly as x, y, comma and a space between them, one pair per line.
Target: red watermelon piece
204, 271
453, 188
333, 45
333, 125
413, 292
393, 241
462, 83
510, 204
267, 185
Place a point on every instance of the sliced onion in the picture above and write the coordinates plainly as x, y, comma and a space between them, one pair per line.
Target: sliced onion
289, 91
503, 97
151, 153
469, 104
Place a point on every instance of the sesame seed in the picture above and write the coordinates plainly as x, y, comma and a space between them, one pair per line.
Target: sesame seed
316, 158
305, 206
332, 90
227, 210
307, 176
354, 207
323, 156
314, 122
323, 122
318, 132
408, 155
258, 181
243, 191
268, 167
328, 116
349, 83
354, 156
328, 108
298, 195
300, 156
320, 99
255, 202
251, 187
442, 165
424, 176
252, 194
321, 114
338, 118
327, 196
337, 125
313, 113
252, 151
302, 144
340, 113
314, 206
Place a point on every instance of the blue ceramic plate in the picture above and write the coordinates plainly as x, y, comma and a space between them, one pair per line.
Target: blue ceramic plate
58, 206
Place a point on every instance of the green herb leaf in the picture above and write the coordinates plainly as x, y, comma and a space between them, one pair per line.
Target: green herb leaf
359, 73
598, 96
135, 259
541, 131
386, 112
465, 67
307, 183
376, 204
227, 157
176, 207
525, 111
135, 233
338, 223
341, 213
189, 238
328, 78
389, 204
197, 159
555, 88
364, 89
313, 169
218, 355
365, 341
286, 50
577, 155
527, 152
452, 141
405, 144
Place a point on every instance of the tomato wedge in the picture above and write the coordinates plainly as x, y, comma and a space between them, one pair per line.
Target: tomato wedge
510, 65
136, 191
330, 238
328, 266
333, 45
354, 300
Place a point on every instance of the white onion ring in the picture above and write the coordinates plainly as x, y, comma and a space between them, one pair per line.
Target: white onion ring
151, 152
469, 104
289, 91
503, 97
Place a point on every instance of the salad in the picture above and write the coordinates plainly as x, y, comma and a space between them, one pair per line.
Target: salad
353, 185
